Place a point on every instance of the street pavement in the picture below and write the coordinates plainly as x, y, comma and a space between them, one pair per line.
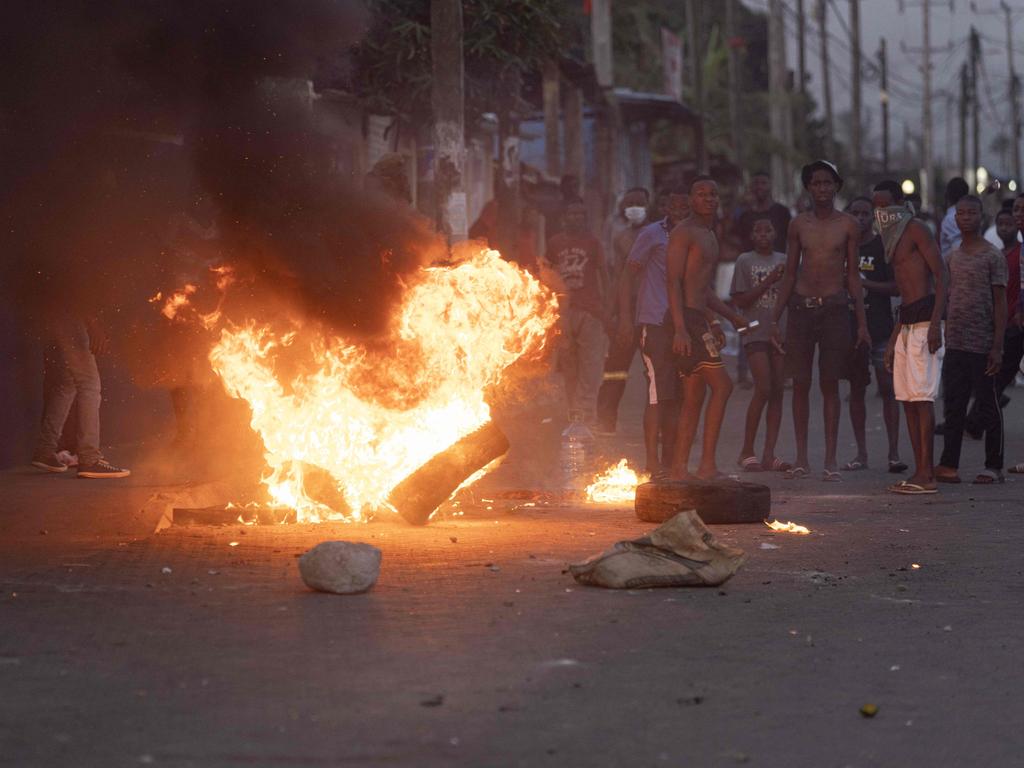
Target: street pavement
124, 647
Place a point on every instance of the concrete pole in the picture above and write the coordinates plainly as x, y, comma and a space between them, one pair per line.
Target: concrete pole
975, 109
826, 81
552, 120
883, 66
573, 124
855, 100
449, 127
801, 41
734, 84
778, 102
926, 128
1014, 93
964, 101
693, 60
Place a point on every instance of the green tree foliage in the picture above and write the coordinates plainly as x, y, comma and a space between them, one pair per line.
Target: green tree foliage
503, 39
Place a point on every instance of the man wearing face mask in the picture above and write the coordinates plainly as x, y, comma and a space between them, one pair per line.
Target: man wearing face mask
633, 207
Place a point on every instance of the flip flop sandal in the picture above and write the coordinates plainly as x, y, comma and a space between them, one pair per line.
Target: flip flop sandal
854, 466
951, 479
658, 475
796, 473
831, 476
989, 477
751, 464
1017, 469
897, 466
778, 465
910, 489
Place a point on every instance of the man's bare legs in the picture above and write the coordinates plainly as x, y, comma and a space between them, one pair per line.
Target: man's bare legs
830, 411
721, 389
801, 417
858, 420
773, 420
921, 426
761, 372
652, 421
890, 414
689, 416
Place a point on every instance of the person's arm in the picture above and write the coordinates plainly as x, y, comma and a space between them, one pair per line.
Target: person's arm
853, 281
719, 307
748, 298
789, 276
890, 347
888, 287
675, 257
995, 355
927, 247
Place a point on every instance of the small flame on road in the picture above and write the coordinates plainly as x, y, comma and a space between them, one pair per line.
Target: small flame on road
616, 484
787, 527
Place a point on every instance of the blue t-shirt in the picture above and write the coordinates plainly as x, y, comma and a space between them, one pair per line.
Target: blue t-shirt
649, 252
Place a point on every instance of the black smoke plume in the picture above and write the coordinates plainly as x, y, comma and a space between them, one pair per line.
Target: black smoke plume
118, 116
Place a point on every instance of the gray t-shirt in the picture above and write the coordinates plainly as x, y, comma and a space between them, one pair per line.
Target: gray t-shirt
751, 270
649, 252
970, 324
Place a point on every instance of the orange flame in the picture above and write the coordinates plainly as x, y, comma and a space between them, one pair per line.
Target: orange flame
616, 484
370, 421
778, 527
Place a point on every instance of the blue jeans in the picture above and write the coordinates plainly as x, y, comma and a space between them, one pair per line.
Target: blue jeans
78, 378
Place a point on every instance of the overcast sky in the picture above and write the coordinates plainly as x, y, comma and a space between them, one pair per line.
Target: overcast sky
949, 32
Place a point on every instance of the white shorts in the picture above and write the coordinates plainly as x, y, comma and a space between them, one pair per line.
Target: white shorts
915, 370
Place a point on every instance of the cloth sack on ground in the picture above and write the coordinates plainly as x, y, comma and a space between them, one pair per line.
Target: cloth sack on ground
682, 552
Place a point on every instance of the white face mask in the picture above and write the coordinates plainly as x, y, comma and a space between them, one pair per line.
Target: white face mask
635, 214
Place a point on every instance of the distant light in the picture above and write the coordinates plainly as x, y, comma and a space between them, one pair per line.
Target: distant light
982, 175
908, 186
980, 188
1012, 185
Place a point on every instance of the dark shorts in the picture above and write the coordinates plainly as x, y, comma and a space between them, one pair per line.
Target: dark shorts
659, 363
862, 359
701, 358
754, 347
827, 327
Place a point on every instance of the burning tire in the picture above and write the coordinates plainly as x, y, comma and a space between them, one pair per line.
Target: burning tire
721, 503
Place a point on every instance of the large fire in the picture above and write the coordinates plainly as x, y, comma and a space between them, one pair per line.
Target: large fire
370, 418
617, 484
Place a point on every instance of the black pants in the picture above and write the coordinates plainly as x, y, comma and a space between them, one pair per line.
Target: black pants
613, 385
1013, 351
963, 375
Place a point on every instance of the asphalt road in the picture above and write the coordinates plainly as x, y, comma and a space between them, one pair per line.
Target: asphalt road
121, 647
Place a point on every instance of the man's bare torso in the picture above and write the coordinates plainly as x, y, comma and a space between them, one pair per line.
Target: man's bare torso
823, 248
701, 260
910, 270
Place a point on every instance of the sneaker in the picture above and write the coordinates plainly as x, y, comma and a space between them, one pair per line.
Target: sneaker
49, 462
67, 458
102, 470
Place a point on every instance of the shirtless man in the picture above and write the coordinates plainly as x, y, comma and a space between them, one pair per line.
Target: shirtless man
692, 257
822, 273
914, 257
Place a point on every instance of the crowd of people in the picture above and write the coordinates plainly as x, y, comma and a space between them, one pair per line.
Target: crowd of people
821, 283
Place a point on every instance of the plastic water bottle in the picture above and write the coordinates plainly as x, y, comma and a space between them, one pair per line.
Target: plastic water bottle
577, 443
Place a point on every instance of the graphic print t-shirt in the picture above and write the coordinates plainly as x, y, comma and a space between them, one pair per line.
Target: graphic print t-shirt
877, 306
751, 270
970, 317
577, 258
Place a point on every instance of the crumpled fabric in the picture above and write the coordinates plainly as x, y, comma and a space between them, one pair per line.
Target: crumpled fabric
682, 552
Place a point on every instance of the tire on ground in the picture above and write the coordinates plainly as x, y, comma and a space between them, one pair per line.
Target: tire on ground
721, 503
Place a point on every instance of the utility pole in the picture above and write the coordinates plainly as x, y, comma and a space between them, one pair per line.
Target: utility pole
975, 46
965, 99
926, 52
552, 119
696, 75
1014, 93
734, 83
830, 146
883, 96
449, 126
778, 98
801, 41
855, 68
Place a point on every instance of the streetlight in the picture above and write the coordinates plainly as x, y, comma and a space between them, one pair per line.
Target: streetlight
908, 186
